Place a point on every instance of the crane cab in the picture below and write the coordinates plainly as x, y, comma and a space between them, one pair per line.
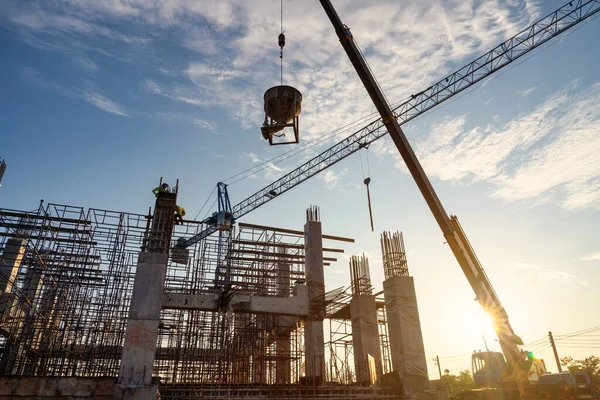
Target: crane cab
487, 367
282, 108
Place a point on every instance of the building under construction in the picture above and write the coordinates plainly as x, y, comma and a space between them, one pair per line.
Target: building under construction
105, 304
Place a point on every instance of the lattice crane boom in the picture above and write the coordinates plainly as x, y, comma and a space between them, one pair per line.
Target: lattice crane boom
500, 56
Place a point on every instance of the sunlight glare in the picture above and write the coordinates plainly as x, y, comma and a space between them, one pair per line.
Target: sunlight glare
478, 323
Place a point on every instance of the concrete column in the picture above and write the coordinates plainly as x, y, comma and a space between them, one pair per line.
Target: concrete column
10, 261
314, 340
283, 335
404, 329
365, 337
144, 315
31, 289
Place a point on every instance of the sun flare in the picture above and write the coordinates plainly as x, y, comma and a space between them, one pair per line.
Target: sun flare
477, 322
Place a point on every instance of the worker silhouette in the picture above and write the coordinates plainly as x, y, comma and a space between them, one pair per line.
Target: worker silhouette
164, 188
179, 214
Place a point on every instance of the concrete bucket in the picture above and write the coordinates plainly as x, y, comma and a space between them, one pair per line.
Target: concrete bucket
282, 108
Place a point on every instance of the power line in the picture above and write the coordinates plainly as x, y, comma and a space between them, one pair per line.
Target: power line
296, 150
202, 208
578, 333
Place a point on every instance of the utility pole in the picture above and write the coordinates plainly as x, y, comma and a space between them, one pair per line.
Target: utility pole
436, 360
554, 350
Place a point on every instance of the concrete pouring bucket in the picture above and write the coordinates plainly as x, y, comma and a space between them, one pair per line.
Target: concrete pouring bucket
282, 103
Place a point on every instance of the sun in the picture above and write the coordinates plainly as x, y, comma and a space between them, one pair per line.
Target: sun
477, 323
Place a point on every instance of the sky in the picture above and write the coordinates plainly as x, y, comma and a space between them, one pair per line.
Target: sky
100, 99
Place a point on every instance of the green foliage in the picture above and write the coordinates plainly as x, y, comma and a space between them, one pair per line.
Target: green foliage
458, 383
591, 365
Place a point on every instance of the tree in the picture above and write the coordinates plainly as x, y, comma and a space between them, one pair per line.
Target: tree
458, 383
590, 364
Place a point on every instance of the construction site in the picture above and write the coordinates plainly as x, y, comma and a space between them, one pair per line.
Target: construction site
94, 293
116, 305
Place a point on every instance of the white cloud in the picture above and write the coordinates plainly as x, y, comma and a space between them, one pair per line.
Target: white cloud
526, 91
524, 265
167, 72
408, 45
253, 157
183, 95
210, 125
86, 64
550, 274
49, 23
549, 154
413, 44
591, 257
103, 102
89, 95
273, 172
332, 178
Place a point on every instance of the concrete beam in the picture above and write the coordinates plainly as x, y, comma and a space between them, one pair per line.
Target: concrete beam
295, 306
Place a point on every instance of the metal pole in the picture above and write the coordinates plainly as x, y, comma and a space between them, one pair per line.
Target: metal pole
554, 350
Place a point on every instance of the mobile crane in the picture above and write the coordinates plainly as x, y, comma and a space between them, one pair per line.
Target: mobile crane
511, 379
519, 369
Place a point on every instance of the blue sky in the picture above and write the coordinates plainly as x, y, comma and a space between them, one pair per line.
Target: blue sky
99, 99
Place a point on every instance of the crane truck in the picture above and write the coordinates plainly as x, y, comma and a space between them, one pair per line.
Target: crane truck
510, 379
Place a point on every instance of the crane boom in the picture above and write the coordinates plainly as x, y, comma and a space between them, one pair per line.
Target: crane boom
451, 229
510, 50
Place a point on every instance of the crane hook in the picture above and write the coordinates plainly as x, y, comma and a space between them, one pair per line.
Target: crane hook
367, 181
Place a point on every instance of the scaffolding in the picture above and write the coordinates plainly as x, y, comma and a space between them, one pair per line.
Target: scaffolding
227, 347
67, 278
341, 369
66, 310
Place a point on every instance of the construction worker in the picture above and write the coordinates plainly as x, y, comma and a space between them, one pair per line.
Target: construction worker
179, 214
160, 189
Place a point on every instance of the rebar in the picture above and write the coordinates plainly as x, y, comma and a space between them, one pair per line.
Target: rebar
360, 276
393, 254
